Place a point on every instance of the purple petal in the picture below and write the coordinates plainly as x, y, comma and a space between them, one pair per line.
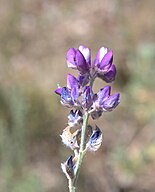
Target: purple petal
87, 97
66, 98
109, 76
86, 53
73, 85
82, 65
83, 79
70, 56
112, 102
72, 81
68, 168
106, 61
100, 54
96, 133
75, 93
70, 162
103, 94
58, 90
95, 97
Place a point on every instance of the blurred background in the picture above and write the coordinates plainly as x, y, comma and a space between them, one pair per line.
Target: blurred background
34, 38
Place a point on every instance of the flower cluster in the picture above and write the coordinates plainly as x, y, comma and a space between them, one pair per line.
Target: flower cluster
79, 96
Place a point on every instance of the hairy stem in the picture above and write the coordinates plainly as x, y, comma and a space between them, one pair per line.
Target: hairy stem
81, 151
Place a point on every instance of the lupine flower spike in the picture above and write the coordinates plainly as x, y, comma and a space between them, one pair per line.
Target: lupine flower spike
78, 95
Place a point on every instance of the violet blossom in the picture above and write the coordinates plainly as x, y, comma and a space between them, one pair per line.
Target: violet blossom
78, 94
69, 95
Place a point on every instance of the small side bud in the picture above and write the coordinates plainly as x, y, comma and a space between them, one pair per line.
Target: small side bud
87, 97
68, 168
95, 140
112, 102
74, 118
96, 114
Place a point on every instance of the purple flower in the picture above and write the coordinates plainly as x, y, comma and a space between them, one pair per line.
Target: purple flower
98, 99
83, 79
104, 66
87, 97
69, 95
58, 91
86, 53
102, 95
109, 76
103, 60
74, 118
66, 98
100, 54
70, 57
111, 103
78, 95
79, 59
82, 65
102, 101
73, 86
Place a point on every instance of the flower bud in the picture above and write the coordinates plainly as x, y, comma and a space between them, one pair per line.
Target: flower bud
73, 86
86, 53
100, 54
109, 76
70, 56
106, 61
68, 168
103, 60
82, 65
74, 118
69, 95
95, 140
87, 97
112, 102
102, 95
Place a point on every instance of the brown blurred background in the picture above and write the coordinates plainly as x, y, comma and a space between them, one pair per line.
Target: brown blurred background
34, 38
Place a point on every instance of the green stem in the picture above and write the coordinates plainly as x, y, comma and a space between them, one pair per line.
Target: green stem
92, 80
81, 151
72, 183
71, 186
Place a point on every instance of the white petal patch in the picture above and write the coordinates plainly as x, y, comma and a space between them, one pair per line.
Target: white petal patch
102, 53
94, 143
85, 52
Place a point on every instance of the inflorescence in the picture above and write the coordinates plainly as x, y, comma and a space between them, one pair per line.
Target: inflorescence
79, 96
